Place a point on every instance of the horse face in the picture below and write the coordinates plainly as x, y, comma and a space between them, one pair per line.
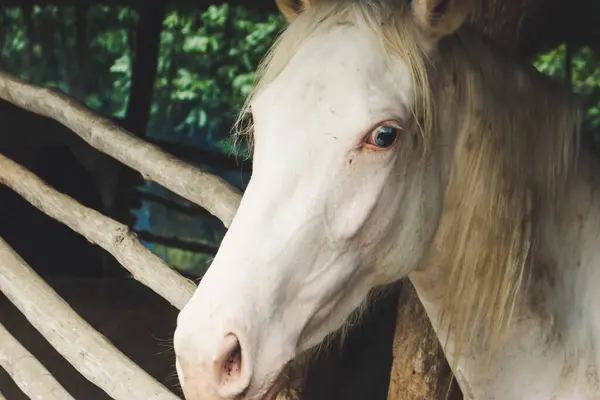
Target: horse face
340, 201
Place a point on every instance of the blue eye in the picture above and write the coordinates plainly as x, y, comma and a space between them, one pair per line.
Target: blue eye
382, 137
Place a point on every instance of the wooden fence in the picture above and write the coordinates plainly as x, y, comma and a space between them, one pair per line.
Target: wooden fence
87, 350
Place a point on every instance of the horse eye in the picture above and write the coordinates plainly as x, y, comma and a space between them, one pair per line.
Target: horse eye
382, 137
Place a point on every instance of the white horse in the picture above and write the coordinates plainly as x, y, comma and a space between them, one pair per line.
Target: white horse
390, 141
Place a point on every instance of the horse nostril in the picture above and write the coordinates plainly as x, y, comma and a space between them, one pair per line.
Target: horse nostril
223, 371
233, 362
234, 375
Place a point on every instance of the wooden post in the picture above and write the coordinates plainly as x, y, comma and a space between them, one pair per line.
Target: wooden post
144, 68
419, 370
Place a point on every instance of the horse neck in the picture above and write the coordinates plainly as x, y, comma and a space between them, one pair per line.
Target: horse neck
567, 272
551, 347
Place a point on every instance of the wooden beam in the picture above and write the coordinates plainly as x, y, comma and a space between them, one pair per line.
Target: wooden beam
202, 156
27, 372
30, 129
209, 191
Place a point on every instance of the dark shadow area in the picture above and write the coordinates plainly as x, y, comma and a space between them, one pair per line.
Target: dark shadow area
359, 367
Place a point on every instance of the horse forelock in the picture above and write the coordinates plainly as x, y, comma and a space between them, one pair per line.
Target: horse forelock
515, 136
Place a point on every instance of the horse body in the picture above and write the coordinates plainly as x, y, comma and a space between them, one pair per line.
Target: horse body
387, 143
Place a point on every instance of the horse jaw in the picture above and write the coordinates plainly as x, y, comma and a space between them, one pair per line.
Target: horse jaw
320, 222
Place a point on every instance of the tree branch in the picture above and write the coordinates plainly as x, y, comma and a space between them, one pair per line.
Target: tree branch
88, 351
28, 373
207, 190
112, 236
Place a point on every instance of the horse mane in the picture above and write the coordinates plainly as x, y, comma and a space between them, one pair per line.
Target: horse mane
515, 142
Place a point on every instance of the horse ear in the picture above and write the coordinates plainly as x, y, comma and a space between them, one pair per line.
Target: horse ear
439, 18
292, 8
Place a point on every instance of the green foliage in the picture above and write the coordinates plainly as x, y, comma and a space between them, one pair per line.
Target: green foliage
206, 69
195, 263
43, 45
